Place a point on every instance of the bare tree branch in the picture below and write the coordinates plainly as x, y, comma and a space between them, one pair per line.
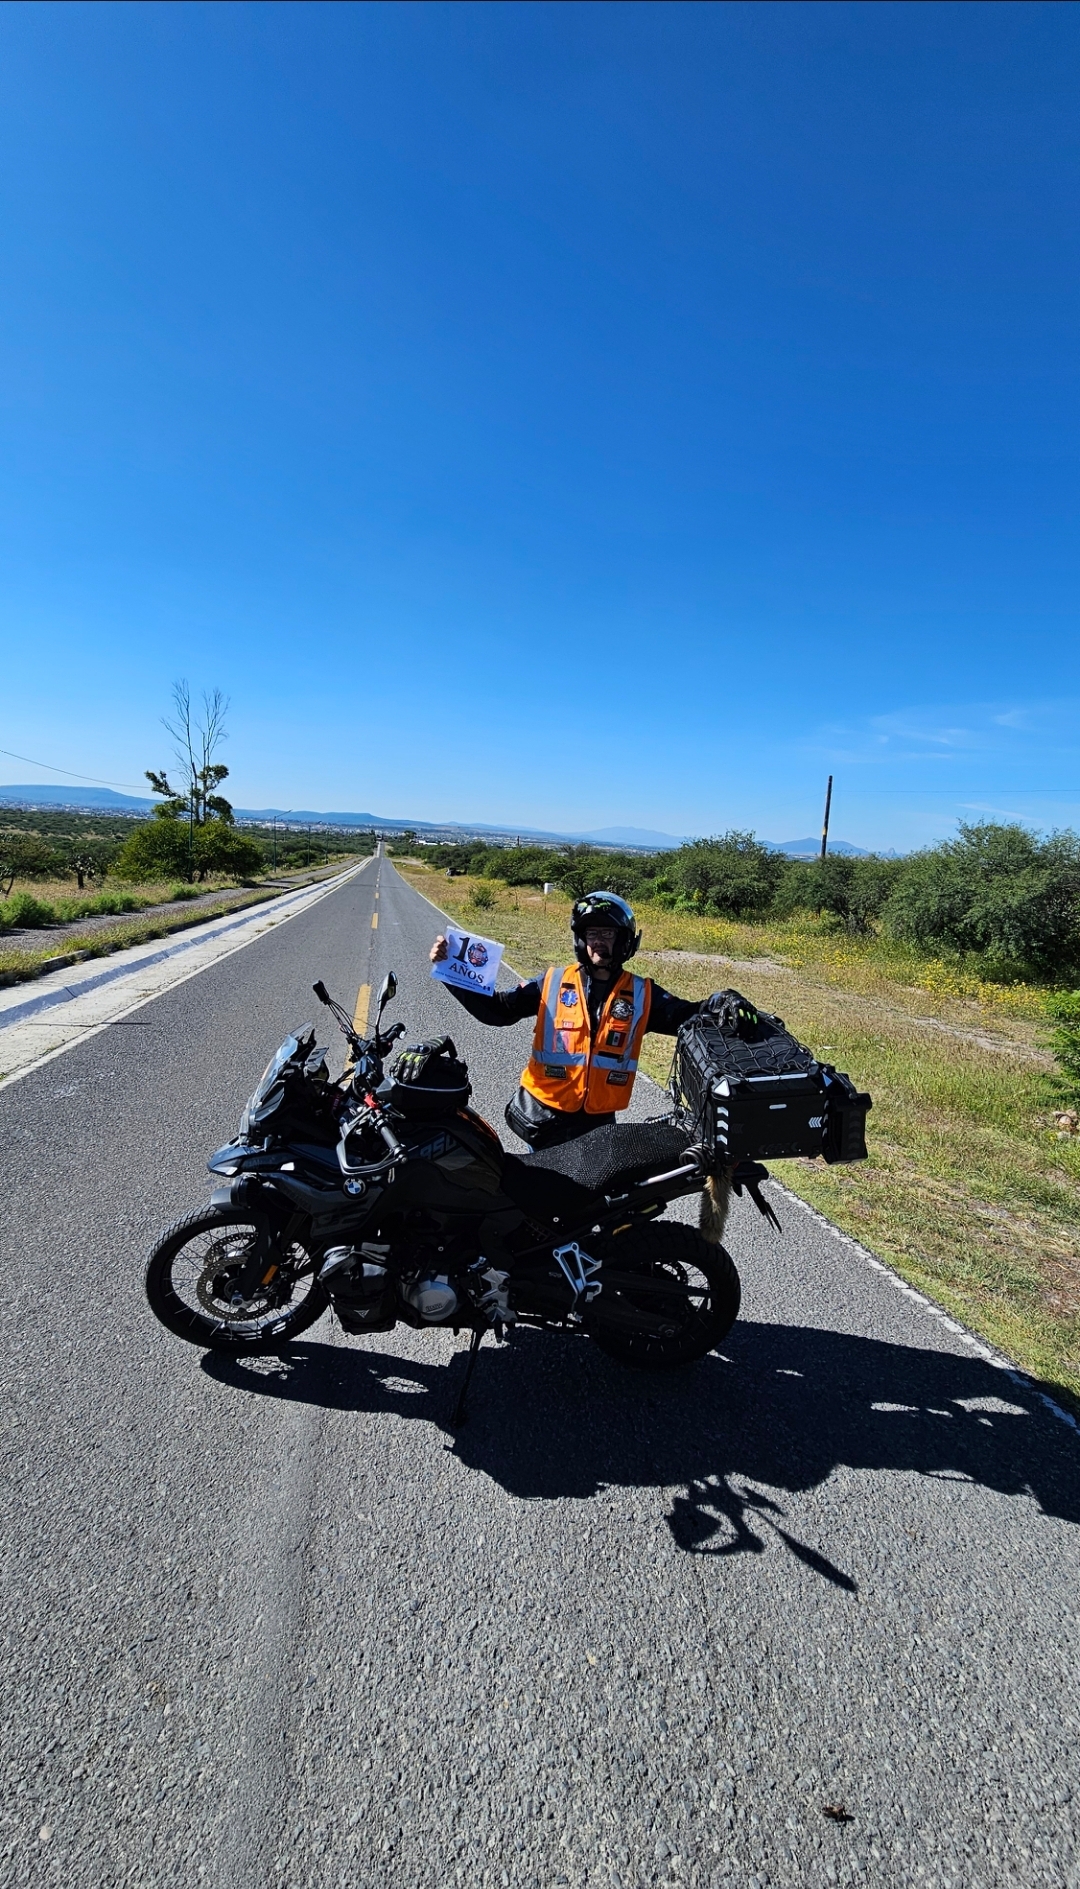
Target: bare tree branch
197, 740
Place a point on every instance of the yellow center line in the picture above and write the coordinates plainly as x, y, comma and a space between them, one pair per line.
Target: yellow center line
374, 921
363, 998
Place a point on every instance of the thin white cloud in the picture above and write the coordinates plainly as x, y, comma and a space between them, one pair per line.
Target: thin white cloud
1039, 732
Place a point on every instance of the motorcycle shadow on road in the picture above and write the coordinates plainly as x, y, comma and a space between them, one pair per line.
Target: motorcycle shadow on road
551, 1417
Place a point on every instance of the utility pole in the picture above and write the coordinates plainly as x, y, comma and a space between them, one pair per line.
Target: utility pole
825, 826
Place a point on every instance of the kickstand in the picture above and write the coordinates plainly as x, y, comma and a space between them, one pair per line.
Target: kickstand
458, 1417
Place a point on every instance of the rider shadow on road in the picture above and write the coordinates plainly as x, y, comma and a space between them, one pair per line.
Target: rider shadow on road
552, 1418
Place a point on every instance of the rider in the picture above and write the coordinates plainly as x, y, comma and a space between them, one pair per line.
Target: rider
590, 1019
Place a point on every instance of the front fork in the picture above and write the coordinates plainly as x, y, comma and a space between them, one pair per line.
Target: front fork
265, 1262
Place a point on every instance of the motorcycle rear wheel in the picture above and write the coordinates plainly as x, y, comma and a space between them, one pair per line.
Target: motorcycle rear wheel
690, 1286
192, 1271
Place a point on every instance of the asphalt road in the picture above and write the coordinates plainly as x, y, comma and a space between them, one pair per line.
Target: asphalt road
273, 1624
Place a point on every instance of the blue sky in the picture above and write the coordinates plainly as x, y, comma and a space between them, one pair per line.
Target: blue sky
566, 415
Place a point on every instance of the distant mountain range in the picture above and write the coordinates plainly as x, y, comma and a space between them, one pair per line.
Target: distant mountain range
809, 849
104, 800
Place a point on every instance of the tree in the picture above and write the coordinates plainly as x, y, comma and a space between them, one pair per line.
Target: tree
851, 891
220, 848
26, 856
999, 893
197, 741
733, 875
160, 848
212, 845
88, 861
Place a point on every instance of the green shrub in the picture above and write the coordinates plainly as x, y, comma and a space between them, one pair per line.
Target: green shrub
181, 891
167, 848
157, 849
733, 876
1064, 1008
26, 912
851, 892
220, 848
483, 896
997, 893
104, 905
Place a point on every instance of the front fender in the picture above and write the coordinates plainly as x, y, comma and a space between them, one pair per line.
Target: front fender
244, 1190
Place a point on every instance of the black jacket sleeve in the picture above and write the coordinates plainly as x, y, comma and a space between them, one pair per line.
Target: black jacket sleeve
503, 1006
667, 1014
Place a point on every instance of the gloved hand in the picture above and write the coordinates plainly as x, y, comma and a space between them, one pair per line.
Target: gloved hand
732, 1013
412, 1064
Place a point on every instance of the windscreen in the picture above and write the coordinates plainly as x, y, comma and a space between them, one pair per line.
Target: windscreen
273, 1069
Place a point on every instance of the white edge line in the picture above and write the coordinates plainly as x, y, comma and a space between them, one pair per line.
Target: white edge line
978, 1345
84, 1036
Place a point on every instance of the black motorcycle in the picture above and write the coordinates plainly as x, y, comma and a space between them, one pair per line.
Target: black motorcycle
389, 1198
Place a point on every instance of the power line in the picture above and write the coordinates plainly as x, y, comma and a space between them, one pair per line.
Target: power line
953, 792
49, 769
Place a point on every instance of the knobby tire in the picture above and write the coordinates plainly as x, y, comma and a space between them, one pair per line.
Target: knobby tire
689, 1284
269, 1331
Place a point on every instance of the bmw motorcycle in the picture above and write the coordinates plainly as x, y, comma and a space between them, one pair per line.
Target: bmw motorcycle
388, 1198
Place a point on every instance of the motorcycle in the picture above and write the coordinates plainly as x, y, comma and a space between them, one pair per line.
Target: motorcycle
392, 1200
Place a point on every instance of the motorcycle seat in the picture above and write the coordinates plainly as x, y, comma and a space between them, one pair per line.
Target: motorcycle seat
564, 1180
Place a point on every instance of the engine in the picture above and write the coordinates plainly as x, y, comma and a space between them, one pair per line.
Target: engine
433, 1297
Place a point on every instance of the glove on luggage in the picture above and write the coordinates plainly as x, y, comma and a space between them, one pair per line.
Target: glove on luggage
735, 1014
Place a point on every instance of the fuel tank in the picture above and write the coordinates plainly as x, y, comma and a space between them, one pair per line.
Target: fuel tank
454, 1166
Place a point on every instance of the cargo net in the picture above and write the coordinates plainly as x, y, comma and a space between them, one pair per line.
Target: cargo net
618, 1151
703, 1053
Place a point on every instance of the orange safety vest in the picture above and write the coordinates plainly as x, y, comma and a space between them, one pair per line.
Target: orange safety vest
570, 1069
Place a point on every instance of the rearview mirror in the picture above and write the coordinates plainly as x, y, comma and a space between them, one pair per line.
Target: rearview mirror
387, 989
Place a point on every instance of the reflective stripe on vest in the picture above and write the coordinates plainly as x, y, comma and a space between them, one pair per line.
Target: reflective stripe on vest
571, 1068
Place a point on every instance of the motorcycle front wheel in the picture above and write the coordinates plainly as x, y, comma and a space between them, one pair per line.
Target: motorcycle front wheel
669, 1297
192, 1284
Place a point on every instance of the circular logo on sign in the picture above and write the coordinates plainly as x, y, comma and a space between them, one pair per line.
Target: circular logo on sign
477, 954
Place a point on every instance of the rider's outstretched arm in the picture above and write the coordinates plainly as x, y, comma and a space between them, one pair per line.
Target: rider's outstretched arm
668, 1013
503, 1006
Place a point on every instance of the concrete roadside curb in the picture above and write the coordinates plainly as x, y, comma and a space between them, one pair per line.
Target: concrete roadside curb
68, 1010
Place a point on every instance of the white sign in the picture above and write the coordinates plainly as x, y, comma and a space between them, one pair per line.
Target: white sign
470, 963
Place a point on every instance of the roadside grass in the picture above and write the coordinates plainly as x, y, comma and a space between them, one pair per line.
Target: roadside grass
969, 1190
20, 959
33, 904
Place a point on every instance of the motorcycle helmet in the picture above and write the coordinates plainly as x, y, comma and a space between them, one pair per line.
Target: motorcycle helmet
600, 909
